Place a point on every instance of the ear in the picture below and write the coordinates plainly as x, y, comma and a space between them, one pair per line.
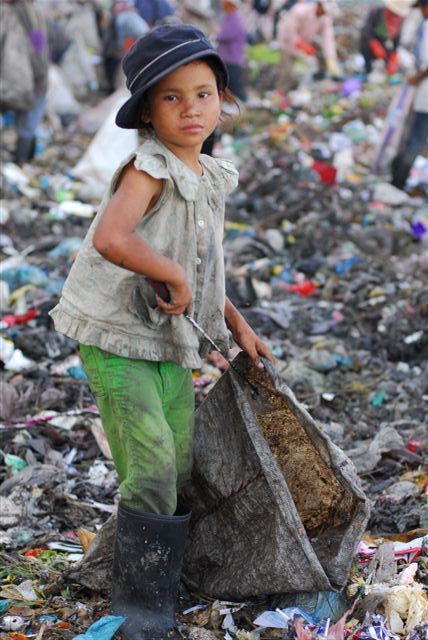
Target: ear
145, 114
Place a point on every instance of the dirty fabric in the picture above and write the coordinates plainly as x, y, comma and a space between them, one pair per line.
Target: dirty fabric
147, 413
276, 475
115, 309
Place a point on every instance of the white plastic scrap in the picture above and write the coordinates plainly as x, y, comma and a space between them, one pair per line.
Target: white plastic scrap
413, 337
277, 619
12, 623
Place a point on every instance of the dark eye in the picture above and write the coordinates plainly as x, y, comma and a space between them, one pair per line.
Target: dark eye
170, 98
203, 94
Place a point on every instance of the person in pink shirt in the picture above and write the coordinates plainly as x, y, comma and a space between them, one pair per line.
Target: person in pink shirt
307, 30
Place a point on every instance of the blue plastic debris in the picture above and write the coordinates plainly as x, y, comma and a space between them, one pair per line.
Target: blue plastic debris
102, 629
4, 605
24, 274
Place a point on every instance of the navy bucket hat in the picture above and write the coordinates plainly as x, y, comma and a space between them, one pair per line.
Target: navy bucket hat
154, 56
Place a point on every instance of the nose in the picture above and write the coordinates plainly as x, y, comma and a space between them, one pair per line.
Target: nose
190, 107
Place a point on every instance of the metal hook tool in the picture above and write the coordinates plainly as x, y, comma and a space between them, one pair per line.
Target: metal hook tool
162, 291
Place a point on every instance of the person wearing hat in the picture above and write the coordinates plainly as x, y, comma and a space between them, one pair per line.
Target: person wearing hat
159, 229
155, 12
307, 30
124, 26
417, 137
200, 15
380, 34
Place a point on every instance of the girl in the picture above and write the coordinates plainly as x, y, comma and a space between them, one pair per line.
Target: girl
161, 221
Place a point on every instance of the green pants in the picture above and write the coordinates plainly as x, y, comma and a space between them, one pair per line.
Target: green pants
147, 411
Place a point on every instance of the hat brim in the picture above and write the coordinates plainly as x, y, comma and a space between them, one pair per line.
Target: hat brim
129, 115
401, 10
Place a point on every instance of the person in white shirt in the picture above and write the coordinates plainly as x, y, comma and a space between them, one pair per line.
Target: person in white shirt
418, 133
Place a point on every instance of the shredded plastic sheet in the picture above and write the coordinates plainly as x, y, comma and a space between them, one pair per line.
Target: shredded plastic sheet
103, 629
50, 416
408, 551
280, 618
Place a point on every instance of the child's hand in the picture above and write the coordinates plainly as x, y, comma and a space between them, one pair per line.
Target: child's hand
180, 299
244, 336
249, 342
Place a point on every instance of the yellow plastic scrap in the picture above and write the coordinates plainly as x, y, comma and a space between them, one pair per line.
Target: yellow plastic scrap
405, 607
86, 538
19, 293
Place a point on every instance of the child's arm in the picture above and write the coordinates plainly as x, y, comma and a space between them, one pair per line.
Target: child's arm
115, 238
244, 336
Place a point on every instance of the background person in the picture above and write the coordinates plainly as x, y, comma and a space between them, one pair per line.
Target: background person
418, 133
307, 29
155, 12
200, 15
231, 41
125, 25
380, 34
30, 49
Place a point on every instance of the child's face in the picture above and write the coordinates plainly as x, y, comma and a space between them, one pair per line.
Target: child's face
184, 107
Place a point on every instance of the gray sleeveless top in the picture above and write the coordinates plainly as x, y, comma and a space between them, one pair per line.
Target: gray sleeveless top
115, 309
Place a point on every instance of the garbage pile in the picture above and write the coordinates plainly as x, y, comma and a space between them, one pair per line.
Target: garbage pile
328, 263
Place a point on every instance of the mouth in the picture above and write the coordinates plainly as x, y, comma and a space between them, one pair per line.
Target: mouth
193, 128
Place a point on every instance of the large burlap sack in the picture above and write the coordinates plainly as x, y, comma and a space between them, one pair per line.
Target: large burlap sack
16, 73
276, 506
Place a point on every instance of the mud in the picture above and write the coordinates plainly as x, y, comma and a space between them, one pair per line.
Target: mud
319, 497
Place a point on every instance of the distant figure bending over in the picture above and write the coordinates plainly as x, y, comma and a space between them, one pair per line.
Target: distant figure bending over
307, 30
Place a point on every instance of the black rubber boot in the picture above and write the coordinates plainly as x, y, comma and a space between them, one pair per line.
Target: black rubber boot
24, 150
146, 572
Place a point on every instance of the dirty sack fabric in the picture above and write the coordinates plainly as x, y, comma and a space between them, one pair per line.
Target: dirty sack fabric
276, 506
17, 83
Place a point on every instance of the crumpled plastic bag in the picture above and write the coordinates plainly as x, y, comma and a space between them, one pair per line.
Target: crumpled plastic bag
60, 99
405, 607
107, 149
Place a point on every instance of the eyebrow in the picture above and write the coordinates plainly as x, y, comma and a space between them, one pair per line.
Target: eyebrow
198, 88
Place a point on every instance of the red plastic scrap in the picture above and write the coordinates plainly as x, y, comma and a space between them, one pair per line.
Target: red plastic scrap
306, 288
326, 171
415, 445
410, 555
32, 553
12, 319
